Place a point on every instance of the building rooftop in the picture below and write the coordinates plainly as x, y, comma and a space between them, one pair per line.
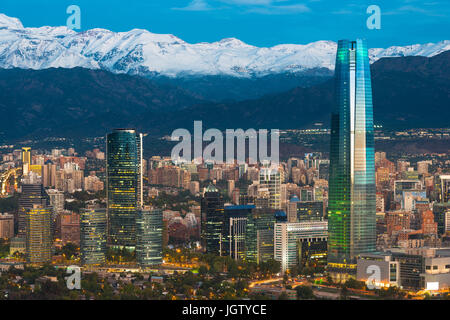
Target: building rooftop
240, 207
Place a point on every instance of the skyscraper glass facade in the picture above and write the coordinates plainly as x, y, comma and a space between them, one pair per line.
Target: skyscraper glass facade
300, 243
271, 179
212, 211
93, 236
352, 202
38, 234
124, 185
149, 227
31, 194
234, 230
259, 235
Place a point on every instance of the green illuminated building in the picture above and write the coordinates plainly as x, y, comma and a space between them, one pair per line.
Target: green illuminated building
124, 185
352, 202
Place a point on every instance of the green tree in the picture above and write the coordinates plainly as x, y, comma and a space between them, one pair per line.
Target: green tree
304, 293
203, 270
69, 250
271, 266
355, 284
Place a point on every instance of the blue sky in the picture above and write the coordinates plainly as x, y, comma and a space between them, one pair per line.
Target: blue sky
257, 22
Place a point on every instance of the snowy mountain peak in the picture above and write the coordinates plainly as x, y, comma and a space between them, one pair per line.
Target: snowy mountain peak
144, 53
232, 43
10, 23
427, 50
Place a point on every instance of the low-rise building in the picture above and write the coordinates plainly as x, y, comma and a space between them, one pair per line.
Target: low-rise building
378, 270
297, 243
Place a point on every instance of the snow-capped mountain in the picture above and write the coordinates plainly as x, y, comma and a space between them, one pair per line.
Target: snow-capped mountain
145, 53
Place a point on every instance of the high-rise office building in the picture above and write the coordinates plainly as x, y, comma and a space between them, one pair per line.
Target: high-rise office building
38, 234
444, 194
49, 174
124, 185
352, 202
32, 194
56, 201
299, 243
93, 236
271, 178
69, 224
26, 160
447, 221
212, 210
259, 235
292, 209
149, 237
234, 230
441, 211
310, 210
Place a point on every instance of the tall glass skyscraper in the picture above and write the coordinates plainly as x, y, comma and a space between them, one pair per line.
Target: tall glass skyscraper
38, 234
212, 213
259, 235
93, 236
124, 185
234, 230
272, 180
31, 194
149, 228
352, 197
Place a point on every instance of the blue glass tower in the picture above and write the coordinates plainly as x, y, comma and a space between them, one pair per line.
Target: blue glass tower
124, 186
352, 168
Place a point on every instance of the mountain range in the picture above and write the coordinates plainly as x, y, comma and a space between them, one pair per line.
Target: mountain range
57, 82
407, 92
142, 52
220, 71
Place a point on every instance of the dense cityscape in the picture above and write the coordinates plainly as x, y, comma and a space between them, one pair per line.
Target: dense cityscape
349, 223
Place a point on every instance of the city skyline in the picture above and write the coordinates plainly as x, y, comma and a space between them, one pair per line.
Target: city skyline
106, 195
243, 226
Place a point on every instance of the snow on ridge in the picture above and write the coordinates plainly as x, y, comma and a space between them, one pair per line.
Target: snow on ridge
9, 22
139, 51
